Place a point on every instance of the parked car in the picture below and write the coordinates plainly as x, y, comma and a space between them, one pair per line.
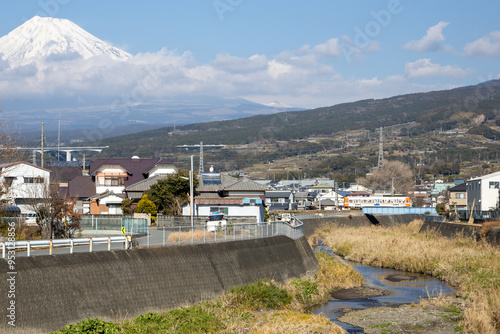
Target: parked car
30, 219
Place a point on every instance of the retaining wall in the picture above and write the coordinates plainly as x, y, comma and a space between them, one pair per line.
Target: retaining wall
310, 225
53, 291
393, 220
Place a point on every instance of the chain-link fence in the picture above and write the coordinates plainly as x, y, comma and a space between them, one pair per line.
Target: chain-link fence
113, 225
167, 236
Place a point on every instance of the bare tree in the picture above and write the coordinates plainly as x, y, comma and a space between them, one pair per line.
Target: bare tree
393, 175
55, 215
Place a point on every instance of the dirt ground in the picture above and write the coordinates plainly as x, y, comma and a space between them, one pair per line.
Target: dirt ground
415, 318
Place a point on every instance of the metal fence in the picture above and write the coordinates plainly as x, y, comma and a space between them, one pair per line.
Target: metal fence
167, 236
29, 245
158, 237
100, 225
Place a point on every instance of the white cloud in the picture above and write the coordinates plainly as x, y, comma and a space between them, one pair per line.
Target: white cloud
425, 68
432, 41
486, 46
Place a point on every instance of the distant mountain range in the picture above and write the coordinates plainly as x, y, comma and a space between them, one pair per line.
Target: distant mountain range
45, 49
474, 109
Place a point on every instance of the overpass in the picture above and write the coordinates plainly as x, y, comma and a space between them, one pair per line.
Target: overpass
65, 149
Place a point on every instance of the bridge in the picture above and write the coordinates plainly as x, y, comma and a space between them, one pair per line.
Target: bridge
65, 149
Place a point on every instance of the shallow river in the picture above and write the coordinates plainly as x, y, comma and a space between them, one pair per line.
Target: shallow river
400, 288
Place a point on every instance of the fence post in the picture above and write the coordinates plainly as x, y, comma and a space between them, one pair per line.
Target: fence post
109, 243
28, 249
147, 231
90, 245
3, 250
163, 235
50, 247
179, 235
71, 243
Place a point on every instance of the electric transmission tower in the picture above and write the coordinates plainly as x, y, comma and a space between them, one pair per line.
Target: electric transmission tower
381, 149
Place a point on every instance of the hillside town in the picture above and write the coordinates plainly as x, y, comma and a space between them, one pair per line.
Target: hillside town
103, 186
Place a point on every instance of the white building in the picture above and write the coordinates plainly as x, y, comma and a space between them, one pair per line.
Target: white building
330, 197
229, 196
25, 185
483, 196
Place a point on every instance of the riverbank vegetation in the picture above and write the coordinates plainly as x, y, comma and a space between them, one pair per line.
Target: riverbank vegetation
262, 307
472, 267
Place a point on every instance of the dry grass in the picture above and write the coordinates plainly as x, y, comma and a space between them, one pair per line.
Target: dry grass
285, 322
471, 267
197, 235
488, 226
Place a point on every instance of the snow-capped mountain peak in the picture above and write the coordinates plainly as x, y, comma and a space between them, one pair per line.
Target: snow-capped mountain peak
42, 37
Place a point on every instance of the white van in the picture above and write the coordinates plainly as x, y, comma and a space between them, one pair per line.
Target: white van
215, 220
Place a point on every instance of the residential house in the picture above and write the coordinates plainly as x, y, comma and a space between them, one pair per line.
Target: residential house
483, 196
116, 174
438, 190
107, 203
136, 191
326, 199
25, 185
458, 196
280, 200
72, 184
304, 199
234, 197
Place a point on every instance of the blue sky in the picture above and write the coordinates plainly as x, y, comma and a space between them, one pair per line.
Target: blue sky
298, 53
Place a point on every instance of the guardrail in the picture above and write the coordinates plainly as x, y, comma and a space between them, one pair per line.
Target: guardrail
167, 237
28, 245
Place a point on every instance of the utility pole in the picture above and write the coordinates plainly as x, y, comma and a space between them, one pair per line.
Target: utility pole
42, 160
201, 159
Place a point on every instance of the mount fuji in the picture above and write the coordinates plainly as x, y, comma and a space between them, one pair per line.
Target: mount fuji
42, 37
52, 69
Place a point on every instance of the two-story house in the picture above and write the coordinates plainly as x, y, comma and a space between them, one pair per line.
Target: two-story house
24, 185
483, 196
280, 200
112, 176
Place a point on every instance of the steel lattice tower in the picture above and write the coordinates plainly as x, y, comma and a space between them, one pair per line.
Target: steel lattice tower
381, 148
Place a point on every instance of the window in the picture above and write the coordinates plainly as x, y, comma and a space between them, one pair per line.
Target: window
110, 181
494, 185
33, 179
219, 209
459, 195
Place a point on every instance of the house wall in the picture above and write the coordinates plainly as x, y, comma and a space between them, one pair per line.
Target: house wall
486, 199
162, 170
459, 202
24, 194
256, 211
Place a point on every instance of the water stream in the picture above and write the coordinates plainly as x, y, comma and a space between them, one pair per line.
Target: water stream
398, 288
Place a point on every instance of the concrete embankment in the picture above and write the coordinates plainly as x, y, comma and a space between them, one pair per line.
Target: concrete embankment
311, 224
451, 230
53, 291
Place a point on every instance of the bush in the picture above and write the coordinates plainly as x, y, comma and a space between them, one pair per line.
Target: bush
94, 326
262, 295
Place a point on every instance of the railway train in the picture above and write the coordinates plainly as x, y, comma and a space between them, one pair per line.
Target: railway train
354, 202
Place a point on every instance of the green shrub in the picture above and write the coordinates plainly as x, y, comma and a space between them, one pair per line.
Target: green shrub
306, 289
262, 295
91, 326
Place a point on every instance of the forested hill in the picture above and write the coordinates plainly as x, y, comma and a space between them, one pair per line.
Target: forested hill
466, 108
